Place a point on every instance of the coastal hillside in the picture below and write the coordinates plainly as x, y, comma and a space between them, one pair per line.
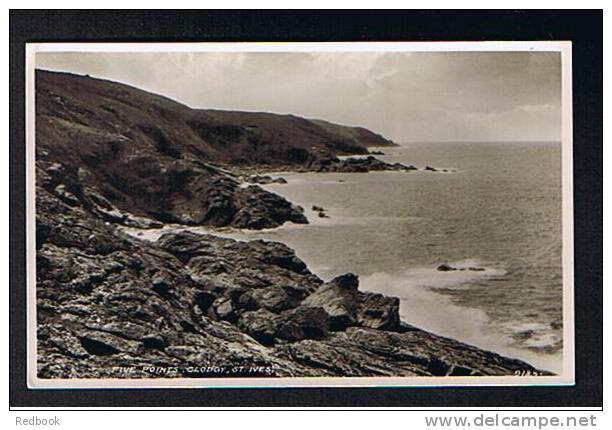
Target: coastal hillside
194, 305
144, 119
125, 150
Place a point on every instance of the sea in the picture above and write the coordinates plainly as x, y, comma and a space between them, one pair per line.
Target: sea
496, 209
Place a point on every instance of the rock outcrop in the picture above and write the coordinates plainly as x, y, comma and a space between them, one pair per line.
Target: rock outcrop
354, 165
348, 307
265, 180
444, 267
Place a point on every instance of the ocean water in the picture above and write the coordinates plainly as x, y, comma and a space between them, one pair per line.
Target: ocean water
500, 209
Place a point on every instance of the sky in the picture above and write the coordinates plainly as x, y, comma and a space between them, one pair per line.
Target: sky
424, 96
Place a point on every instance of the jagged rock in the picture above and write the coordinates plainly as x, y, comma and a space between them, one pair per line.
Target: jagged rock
184, 244
154, 341
265, 179
414, 353
445, 268
275, 299
347, 306
304, 322
204, 299
65, 342
378, 311
68, 197
224, 308
260, 325
281, 255
340, 306
400, 166
255, 264
122, 329
106, 327
448, 268
348, 281
354, 165
261, 209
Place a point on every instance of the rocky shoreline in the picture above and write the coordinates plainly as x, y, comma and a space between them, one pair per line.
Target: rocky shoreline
110, 305
109, 301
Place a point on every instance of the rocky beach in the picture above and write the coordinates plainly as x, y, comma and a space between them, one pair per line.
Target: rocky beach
110, 156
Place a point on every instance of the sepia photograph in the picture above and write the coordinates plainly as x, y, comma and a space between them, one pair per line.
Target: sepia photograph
299, 214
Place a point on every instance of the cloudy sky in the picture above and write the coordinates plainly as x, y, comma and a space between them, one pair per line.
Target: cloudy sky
459, 96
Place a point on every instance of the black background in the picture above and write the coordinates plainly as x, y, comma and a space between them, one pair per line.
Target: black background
583, 28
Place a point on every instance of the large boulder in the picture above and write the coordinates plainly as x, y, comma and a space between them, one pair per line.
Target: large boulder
348, 307
338, 298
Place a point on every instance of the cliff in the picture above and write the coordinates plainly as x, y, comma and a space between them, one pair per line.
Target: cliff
143, 154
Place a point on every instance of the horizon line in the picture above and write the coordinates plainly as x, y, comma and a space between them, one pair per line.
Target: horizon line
482, 141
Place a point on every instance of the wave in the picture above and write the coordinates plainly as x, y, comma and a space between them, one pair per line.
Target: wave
423, 305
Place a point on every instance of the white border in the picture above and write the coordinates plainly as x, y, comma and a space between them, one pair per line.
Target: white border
544, 46
563, 47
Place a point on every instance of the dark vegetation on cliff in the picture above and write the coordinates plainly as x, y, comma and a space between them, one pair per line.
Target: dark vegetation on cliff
110, 155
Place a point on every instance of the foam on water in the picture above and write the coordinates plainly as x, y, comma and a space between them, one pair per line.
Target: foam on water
421, 305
